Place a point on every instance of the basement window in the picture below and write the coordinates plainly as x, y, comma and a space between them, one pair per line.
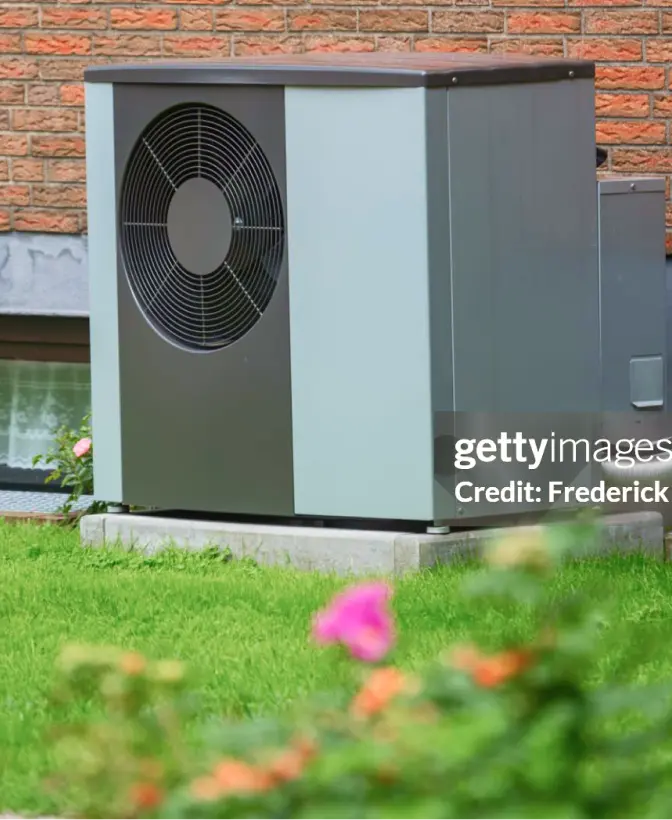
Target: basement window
45, 383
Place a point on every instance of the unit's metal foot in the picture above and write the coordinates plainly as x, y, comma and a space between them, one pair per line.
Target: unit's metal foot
438, 529
118, 508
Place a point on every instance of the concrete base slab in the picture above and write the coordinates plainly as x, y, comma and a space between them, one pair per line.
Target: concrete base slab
342, 551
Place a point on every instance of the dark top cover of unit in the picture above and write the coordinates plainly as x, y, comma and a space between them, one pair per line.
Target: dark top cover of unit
374, 69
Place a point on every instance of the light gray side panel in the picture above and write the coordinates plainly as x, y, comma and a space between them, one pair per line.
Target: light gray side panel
357, 223
103, 297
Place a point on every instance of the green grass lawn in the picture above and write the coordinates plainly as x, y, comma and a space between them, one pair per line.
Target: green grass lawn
244, 629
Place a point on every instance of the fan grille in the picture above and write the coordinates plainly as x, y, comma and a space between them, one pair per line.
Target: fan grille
211, 307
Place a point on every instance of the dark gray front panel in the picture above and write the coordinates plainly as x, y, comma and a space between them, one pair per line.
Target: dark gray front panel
524, 311
206, 430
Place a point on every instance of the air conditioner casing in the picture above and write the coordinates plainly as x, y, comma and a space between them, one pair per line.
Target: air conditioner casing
439, 275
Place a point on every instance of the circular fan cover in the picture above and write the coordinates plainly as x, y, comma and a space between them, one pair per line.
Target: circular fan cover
201, 227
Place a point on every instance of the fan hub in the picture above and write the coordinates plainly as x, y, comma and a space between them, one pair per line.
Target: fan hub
199, 226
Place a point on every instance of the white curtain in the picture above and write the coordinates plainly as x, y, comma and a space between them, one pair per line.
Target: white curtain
35, 399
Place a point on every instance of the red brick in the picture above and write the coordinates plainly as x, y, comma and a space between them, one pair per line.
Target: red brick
200, 2
543, 22
32, 219
605, 49
4, 119
64, 17
5, 221
451, 44
666, 21
430, 3
668, 243
339, 44
12, 94
622, 105
616, 132
467, 22
359, 3
128, 45
196, 46
42, 95
13, 145
392, 43
66, 170
393, 20
523, 3
196, 19
322, 19
57, 146
64, 44
620, 22
10, 43
4, 170
642, 160
44, 119
14, 194
265, 44
662, 105
547, 47
72, 94
242, 19
668, 215
143, 18
63, 69
602, 3
59, 196
629, 77
27, 170
658, 51
22, 17
18, 68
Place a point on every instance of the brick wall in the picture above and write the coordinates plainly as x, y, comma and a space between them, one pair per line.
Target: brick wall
44, 47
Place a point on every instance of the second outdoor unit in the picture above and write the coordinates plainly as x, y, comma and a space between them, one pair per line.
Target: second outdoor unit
311, 274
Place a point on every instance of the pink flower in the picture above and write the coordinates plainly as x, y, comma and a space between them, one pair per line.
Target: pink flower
82, 447
360, 619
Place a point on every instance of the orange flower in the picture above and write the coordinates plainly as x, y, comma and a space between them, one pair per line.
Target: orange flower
205, 789
132, 663
490, 671
237, 776
382, 686
499, 668
287, 766
146, 795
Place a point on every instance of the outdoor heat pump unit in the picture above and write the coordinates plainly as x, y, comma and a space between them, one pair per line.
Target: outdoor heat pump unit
311, 274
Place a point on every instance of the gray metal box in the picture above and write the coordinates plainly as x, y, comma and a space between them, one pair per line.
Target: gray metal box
438, 280
633, 321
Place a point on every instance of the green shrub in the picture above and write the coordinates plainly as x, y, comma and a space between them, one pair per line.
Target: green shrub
516, 729
72, 461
